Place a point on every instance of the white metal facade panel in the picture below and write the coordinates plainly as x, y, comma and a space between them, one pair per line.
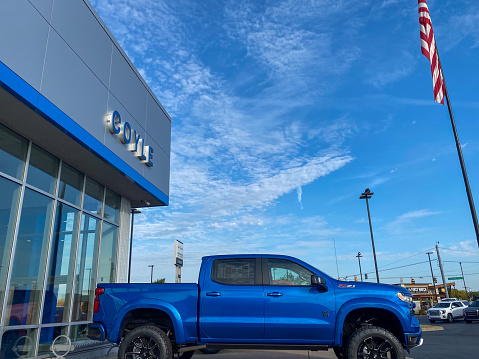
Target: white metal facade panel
44, 7
23, 39
158, 125
160, 159
72, 87
127, 88
84, 35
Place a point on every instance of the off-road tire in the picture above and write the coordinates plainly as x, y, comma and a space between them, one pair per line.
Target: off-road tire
146, 339
367, 341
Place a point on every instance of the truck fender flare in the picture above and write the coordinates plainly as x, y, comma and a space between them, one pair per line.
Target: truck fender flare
148, 303
373, 303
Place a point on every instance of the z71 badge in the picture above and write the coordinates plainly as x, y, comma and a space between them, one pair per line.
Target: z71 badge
347, 286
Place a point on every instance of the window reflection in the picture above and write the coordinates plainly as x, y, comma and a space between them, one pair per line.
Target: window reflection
71, 184
9, 195
112, 206
47, 336
42, 169
18, 343
13, 152
28, 266
86, 268
107, 266
60, 271
93, 196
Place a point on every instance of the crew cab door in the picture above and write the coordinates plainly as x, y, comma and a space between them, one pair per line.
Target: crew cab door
231, 301
294, 309
457, 309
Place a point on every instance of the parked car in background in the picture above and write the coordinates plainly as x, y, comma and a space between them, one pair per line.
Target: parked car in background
446, 310
472, 312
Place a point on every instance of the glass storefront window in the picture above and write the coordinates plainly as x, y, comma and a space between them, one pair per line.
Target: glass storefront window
60, 272
112, 206
28, 268
71, 184
18, 343
9, 195
93, 196
79, 332
42, 169
85, 272
107, 263
13, 152
47, 336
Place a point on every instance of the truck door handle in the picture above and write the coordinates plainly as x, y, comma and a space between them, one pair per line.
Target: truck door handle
213, 294
275, 294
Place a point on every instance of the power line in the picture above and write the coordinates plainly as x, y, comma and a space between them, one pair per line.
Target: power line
388, 269
414, 255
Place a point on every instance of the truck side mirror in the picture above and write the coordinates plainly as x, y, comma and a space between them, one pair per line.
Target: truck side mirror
320, 282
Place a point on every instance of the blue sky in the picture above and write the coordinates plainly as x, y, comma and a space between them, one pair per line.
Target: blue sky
284, 112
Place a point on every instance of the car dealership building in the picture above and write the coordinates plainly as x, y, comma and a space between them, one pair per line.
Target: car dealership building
83, 140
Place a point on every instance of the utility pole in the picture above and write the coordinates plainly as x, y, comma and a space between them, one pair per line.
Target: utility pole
151, 265
432, 275
442, 270
464, 279
366, 195
359, 259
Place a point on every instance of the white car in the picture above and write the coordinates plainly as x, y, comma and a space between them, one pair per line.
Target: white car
446, 310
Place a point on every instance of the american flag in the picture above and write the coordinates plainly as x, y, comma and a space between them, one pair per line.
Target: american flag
428, 48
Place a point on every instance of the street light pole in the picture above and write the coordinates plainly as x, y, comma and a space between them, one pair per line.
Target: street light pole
432, 275
359, 259
151, 265
133, 212
366, 195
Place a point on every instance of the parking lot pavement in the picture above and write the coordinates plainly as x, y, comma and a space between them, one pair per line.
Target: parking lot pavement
442, 340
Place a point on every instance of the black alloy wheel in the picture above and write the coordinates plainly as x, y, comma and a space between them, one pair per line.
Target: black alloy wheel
147, 342
374, 343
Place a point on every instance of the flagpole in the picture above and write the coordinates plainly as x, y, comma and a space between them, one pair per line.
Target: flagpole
461, 158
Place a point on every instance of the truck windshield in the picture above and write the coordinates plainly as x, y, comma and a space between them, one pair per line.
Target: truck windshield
443, 305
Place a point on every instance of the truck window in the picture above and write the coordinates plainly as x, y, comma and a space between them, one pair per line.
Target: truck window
285, 272
237, 271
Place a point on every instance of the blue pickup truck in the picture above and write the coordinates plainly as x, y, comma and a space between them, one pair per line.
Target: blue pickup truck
256, 302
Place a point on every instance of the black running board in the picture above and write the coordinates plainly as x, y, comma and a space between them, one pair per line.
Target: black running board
266, 346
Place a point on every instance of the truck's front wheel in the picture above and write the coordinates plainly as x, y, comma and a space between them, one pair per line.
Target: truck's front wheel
145, 342
374, 342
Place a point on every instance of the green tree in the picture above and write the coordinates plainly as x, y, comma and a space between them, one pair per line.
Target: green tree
162, 280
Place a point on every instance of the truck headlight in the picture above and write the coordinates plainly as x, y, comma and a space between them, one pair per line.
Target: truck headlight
443, 311
404, 297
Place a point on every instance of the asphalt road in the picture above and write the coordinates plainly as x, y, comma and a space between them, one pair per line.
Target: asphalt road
442, 340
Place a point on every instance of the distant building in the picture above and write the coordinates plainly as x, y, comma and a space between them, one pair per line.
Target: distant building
423, 293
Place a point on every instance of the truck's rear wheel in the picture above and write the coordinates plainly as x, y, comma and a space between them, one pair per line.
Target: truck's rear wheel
145, 342
374, 342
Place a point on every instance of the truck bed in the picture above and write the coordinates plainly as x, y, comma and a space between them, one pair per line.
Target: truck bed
119, 299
